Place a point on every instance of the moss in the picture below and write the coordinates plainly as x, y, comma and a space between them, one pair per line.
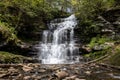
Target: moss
98, 41
6, 57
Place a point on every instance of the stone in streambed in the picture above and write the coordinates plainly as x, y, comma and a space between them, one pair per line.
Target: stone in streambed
12, 69
61, 74
42, 70
27, 68
71, 77
2, 75
79, 79
27, 78
88, 72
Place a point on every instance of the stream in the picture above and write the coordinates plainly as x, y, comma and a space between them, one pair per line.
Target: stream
36, 71
60, 58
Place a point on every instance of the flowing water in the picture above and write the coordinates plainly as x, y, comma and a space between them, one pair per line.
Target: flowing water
58, 43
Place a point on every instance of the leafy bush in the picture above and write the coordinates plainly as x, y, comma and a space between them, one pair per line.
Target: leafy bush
7, 33
98, 41
91, 8
98, 54
27, 16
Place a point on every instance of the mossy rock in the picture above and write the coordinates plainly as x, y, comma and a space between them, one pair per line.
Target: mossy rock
6, 57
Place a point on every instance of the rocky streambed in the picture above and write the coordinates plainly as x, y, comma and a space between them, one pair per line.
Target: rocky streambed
36, 71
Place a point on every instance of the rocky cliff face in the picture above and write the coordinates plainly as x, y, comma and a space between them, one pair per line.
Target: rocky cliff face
104, 26
112, 16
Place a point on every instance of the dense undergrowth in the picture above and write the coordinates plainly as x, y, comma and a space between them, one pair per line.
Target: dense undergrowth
99, 28
21, 21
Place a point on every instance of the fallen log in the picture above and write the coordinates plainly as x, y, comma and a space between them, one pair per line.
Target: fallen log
96, 60
10, 65
109, 66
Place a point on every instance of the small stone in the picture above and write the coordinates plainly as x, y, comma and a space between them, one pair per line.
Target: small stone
20, 75
14, 73
71, 77
88, 72
37, 65
11, 69
3, 72
33, 76
97, 66
42, 70
30, 64
27, 77
79, 79
2, 75
26, 68
61, 74
38, 78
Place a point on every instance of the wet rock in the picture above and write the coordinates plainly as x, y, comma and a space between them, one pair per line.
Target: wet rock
14, 74
71, 77
12, 69
79, 79
20, 75
3, 72
27, 68
30, 64
88, 72
34, 76
86, 48
42, 70
2, 75
27, 78
37, 65
61, 74
109, 44
37, 78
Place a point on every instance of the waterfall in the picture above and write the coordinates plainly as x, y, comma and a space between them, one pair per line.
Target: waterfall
58, 44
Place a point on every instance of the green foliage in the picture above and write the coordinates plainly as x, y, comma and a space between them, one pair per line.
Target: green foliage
91, 8
28, 16
24, 19
98, 41
100, 44
14, 10
7, 32
87, 13
97, 54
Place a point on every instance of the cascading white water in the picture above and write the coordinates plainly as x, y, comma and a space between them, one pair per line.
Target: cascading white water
58, 45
